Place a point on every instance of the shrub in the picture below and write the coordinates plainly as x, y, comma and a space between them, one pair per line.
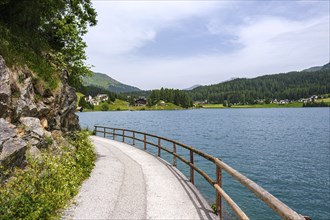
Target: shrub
104, 106
214, 208
49, 182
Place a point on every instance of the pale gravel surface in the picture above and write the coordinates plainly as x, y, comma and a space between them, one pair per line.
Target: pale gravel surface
128, 183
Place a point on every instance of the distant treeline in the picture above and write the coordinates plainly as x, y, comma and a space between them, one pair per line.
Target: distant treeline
174, 96
292, 86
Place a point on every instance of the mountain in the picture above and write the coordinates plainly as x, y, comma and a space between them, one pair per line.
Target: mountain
326, 66
192, 87
106, 82
292, 85
312, 69
316, 68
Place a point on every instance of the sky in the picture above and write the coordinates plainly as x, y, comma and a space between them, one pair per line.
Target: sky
178, 44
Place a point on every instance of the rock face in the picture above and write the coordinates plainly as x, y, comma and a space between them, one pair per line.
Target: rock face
5, 92
30, 114
12, 147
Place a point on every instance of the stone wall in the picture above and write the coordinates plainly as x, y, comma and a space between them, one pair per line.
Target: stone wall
31, 117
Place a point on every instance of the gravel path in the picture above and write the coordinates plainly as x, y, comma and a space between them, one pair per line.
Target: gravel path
128, 183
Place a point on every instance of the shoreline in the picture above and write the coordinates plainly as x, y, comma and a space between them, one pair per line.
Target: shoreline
189, 109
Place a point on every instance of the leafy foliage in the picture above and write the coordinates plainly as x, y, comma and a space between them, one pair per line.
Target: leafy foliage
175, 96
104, 106
52, 29
48, 183
293, 85
84, 104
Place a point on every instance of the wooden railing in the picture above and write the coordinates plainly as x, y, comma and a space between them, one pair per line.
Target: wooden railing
279, 207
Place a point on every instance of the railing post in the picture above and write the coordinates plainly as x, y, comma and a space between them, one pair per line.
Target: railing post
158, 147
174, 157
95, 129
113, 133
218, 196
123, 135
191, 168
145, 142
104, 132
133, 137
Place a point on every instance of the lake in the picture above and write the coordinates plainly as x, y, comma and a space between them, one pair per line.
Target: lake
284, 150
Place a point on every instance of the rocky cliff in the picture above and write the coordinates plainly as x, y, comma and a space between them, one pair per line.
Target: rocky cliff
31, 116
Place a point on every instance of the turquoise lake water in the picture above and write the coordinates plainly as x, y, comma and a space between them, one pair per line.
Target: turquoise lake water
286, 151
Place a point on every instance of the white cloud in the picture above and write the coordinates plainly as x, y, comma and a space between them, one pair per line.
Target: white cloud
217, 26
270, 45
283, 45
126, 26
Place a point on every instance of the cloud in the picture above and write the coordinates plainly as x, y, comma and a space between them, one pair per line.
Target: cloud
124, 27
281, 45
268, 43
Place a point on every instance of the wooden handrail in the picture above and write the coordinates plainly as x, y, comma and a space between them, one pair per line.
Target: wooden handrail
278, 207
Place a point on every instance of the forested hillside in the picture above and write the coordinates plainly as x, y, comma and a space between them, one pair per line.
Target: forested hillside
174, 96
106, 82
293, 86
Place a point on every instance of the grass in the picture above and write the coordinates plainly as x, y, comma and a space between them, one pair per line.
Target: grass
167, 106
117, 105
213, 106
326, 100
49, 182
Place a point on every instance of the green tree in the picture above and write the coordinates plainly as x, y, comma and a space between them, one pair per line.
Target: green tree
84, 104
131, 101
60, 23
170, 95
105, 106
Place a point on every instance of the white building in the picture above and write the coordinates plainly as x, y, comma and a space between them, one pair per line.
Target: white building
102, 97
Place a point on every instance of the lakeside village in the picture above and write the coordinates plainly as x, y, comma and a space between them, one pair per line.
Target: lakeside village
311, 99
100, 99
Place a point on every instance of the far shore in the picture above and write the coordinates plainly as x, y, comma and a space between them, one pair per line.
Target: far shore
120, 105
208, 106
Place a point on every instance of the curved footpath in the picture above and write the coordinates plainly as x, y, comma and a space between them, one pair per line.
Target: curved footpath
129, 183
